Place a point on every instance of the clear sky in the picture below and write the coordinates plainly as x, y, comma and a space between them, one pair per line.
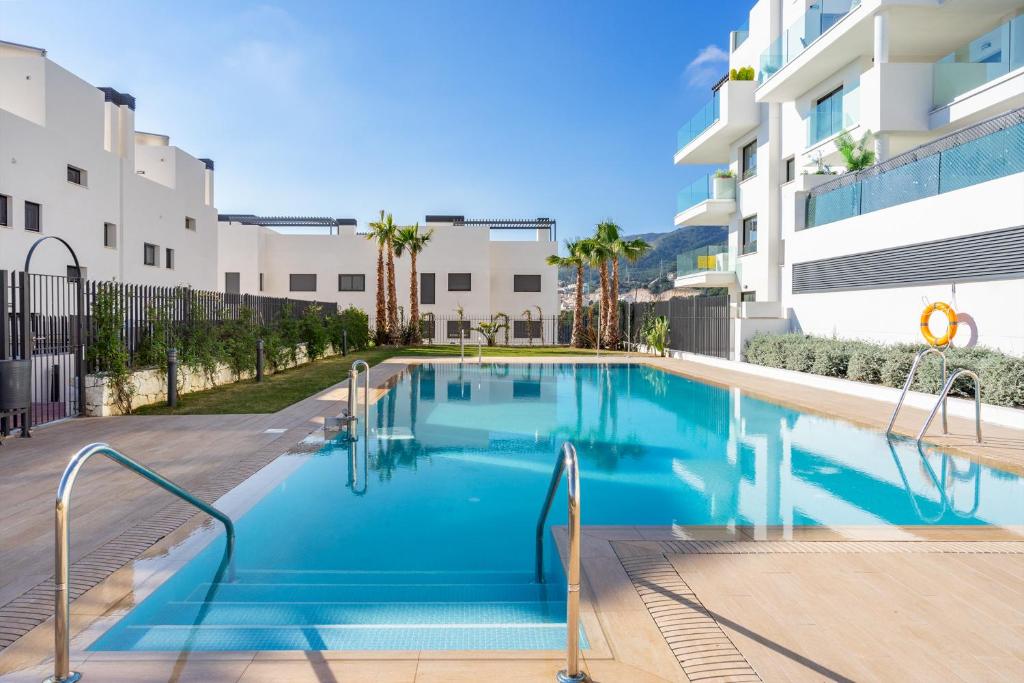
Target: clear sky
487, 108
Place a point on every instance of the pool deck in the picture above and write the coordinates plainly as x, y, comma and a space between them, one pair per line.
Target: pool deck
660, 604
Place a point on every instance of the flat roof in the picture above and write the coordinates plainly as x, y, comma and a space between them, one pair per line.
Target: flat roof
284, 221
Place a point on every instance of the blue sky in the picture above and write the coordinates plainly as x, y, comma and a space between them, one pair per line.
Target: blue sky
483, 108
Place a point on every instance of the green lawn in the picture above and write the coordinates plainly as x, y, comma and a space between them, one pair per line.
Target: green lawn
289, 386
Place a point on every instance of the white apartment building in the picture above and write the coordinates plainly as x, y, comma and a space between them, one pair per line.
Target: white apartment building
139, 210
940, 86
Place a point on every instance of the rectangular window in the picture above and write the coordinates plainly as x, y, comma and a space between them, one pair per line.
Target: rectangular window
428, 282
261, 282
526, 283
453, 329
190, 223
149, 254
302, 282
169, 259
526, 329
5, 210
355, 282
33, 217
827, 117
73, 273
76, 175
110, 235
790, 169
749, 235
460, 282
748, 162
232, 283
460, 391
748, 296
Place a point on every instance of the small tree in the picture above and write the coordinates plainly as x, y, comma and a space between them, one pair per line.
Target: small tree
528, 314
490, 329
655, 333
238, 341
108, 353
312, 332
857, 154
505, 323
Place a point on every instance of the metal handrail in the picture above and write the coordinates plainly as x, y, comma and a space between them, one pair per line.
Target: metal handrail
942, 397
910, 379
62, 601
567, 464
353, 397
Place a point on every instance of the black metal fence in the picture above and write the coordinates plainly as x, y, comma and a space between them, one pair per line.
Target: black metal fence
698, 324
542, 331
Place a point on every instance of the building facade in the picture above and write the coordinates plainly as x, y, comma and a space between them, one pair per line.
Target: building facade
137, 209
938, 86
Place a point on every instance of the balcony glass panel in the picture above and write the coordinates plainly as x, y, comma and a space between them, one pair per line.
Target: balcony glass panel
988, 157
709, 258
819, 17
742, 33
700, 122
695, 193
984, 59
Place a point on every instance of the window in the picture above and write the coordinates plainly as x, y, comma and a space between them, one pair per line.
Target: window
453, 328
302, 282
232, 283
827, 117
749, 161
460, 391
261, 282
749, 235
748, 296
427, 288
76, 175
526, 329
790, 169
33, 216
460, 282
5, 211
190, 224
352, 283
526, 283
110, 235
73, 273
169, 259
149, 254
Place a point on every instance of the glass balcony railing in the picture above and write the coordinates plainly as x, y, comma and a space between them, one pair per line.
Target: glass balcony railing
709, 258
695, 193
700, 122
828, 119
954, 165
819, 17
984, 59
740, 36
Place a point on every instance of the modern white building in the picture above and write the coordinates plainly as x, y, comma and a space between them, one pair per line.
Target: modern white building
939, 85
137, 209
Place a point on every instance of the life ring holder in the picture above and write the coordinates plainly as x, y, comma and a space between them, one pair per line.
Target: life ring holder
944, 341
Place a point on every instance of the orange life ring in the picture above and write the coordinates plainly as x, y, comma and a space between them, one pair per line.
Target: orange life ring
926, 331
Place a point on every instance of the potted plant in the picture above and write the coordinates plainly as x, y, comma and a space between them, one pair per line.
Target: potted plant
723, 184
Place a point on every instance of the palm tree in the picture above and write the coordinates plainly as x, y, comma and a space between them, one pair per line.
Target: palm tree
378, 233
390, 230
412, 240
598, 253
631, 250
577, 259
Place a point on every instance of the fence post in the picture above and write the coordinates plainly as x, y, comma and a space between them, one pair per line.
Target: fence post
344, 342
26, 342
80, 343
259, 360
172, 377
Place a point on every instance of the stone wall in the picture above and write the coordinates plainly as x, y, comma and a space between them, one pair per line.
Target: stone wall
151, 385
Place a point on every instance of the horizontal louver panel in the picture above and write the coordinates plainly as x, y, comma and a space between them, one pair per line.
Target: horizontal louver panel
985, 256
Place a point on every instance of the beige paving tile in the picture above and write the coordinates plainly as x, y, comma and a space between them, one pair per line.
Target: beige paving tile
316, 669
474, 671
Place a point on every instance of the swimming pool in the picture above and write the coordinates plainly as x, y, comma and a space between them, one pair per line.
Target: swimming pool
421, 536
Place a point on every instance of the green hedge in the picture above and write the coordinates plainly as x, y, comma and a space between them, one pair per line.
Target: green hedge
1002, 376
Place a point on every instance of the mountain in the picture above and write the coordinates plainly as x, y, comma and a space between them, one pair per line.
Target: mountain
661, 259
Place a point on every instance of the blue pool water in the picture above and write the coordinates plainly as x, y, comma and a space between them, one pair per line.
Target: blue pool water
421, 536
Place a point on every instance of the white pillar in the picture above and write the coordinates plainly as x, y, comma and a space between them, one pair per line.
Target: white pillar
882, 38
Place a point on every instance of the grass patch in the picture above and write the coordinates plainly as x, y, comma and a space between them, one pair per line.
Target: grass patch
284, 388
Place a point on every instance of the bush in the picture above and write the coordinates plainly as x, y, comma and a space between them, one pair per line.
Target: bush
1002, 376
238, 343
313, 332
357, 323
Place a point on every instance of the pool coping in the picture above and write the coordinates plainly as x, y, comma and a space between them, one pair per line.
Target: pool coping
92, 611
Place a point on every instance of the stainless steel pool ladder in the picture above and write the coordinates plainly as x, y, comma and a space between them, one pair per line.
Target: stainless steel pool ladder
567, 464
353, 398
942, 401
61, 599
910, 380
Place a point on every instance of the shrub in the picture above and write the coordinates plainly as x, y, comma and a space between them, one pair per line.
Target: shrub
831, 358
1002, 380
288, 330
866, 364
895, 368
744, 73
238, 343
313, 332
799, 357
357, 323
108, 353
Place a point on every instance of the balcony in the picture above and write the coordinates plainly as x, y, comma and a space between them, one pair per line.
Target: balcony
706, 266
983, 60
708, 201
818, 19
987, 151
707, 137
739, 36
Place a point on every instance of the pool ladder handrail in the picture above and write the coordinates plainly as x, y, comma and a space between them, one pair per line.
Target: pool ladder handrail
62, 532
353, 398
910, 379
942, 399
567, 464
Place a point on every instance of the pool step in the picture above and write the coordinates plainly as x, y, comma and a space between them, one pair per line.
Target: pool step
379, 577
372, 592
